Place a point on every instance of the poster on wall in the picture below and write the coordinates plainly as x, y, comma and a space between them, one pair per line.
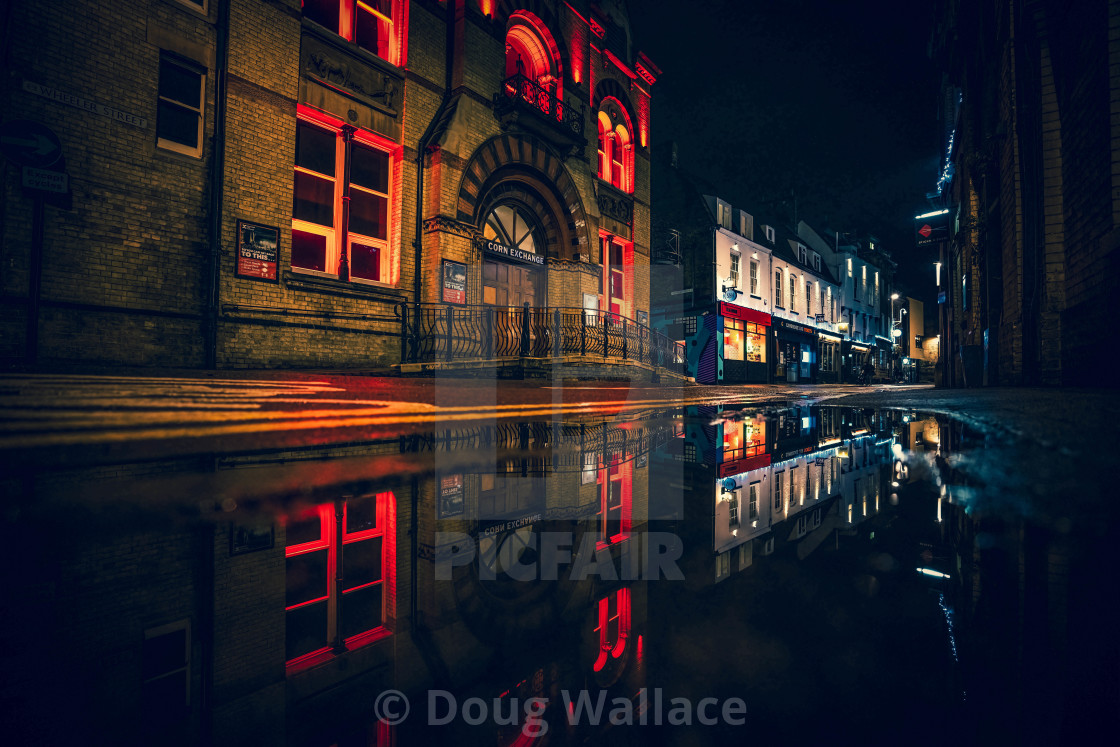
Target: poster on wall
258, 252
454, 282
450, 496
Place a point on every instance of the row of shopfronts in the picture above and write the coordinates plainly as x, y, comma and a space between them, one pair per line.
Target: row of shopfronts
732, 344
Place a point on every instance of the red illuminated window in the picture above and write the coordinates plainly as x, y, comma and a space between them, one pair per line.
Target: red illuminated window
613, 627
367, 23
616, 150
615, 488
350, 539
617, 264
323, 153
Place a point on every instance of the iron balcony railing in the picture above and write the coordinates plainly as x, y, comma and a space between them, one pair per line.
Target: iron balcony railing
443, 332
521, 87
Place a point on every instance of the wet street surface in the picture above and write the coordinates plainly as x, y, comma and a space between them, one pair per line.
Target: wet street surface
326, 560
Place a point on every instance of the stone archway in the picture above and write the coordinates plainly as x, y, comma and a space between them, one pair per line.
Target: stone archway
525, 168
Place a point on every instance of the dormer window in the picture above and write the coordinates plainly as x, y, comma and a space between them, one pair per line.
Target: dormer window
801, 254
769, 233
746, 226
723, 214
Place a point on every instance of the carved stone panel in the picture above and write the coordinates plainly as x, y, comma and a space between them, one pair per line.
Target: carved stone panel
354, 89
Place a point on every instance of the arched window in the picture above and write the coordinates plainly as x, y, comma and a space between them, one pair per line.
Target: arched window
508, 224
616, 150
531, 51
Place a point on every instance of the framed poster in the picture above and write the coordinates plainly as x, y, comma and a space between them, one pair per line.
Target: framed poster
258, 252
643, 318
450, 496
454, 282
244, 538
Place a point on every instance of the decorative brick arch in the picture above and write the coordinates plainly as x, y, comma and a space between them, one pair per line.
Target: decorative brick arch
539, 8
543, 13
526, 167
610, 88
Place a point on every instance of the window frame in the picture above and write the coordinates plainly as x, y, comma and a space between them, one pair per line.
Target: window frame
194, 68
348, 26
329, 534
334, 249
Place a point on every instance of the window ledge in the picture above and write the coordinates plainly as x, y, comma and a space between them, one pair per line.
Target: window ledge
324, 655
317, 284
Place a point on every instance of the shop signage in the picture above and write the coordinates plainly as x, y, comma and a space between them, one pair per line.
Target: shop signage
454, 282
450, 496
494, 248
739, 466
931, 229
258, 249
732, 311
794, 327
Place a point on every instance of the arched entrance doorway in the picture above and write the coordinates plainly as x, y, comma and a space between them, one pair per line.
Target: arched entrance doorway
513, 241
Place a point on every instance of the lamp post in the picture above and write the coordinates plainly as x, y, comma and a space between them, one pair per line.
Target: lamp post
896, 329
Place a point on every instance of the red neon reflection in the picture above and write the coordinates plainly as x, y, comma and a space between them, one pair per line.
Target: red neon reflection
613, 627
314, 534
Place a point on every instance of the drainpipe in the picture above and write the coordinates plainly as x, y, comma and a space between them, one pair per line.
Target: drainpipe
217, 165
422, 147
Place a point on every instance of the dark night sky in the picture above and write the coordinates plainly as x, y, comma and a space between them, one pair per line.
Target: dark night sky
836, 101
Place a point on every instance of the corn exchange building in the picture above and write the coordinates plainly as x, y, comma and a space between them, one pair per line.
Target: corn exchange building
270, 183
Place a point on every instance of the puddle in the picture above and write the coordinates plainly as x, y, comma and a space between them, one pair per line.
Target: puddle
790, 574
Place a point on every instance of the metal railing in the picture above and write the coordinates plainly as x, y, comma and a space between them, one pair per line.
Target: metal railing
523, 88
444, 332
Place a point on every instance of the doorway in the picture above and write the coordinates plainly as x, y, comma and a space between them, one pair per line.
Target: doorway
505, 284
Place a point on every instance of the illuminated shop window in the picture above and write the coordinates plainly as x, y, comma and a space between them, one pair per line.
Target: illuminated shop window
733, 339
182, 95
350, 540
616, 148
613, 627
318, 244
367, 23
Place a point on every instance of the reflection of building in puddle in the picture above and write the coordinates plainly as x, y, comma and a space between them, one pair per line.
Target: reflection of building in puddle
271, 596
760, 480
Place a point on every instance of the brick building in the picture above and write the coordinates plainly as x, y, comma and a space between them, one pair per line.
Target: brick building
260, 183
1030, 182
